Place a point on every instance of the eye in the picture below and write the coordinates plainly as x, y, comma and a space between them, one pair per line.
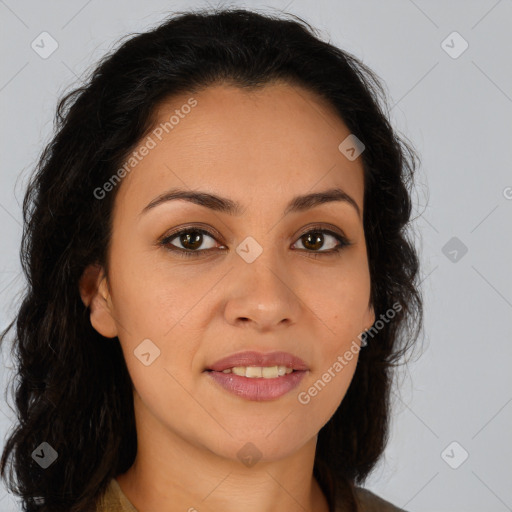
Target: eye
317, 238
190, 239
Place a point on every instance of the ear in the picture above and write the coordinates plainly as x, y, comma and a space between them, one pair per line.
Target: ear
95, 295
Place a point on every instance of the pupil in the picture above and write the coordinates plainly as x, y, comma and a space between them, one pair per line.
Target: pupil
194, 241
318, 240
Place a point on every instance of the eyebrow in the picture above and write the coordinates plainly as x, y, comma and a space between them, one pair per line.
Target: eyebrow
225, 205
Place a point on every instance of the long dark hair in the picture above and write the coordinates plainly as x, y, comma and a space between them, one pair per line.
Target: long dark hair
73, 388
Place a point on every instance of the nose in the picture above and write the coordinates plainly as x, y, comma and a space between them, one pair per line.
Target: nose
263, 298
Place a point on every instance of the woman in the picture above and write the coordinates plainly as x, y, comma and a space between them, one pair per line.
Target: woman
219, 278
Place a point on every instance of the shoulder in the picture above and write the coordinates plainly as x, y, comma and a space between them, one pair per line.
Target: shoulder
114, 500
370, 502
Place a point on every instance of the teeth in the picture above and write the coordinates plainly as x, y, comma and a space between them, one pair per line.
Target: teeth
254, 372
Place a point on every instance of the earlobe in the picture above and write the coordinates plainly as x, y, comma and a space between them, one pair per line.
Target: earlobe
95, 295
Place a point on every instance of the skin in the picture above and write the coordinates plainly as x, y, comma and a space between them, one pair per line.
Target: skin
260, 148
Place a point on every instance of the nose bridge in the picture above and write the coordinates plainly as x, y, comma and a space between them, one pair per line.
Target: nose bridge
262, 265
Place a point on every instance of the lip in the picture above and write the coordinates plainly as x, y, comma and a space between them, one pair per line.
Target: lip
257, 389
253, 358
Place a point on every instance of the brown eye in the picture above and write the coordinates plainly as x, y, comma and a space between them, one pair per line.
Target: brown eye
316, 239
191, 242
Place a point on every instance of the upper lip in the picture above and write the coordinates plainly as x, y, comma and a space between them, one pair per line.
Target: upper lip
252, 358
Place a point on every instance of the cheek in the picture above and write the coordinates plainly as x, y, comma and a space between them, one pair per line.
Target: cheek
154, 306
340, 300
152, 292
341, 305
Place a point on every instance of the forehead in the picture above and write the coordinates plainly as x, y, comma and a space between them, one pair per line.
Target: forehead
280, 141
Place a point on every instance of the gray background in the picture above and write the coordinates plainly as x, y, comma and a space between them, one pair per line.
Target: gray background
458, 114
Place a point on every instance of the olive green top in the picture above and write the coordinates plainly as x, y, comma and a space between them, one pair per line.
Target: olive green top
114, 500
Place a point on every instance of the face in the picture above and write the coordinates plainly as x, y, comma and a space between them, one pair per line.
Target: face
262, 278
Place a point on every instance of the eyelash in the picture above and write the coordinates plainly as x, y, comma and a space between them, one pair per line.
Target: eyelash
343, 242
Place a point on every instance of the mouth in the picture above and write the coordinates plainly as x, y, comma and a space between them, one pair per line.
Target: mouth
258, 377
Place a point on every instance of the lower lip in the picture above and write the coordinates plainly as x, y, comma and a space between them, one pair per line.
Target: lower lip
258, 389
